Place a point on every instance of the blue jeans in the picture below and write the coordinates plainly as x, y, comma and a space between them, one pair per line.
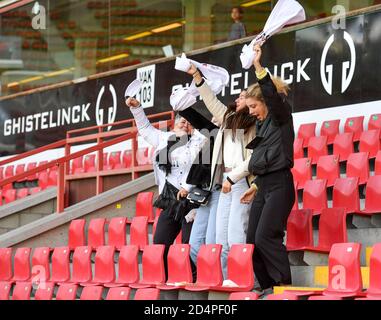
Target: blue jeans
204, 226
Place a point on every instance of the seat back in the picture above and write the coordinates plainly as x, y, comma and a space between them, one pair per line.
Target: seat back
61, 264
104, 264
82, 271
9, 171
6, 264
77, 233
299, 229
330, 129
209, 271
21, 264
240, 265
22, 291
153, 264
298, 148
302, 171
67, 292
44, 291
343, 145
346, 195
179, 265
373, 195
142, 156
358, 166
92, 293
89, 163
96, 233
139, 231
147, 294
22, 193
77, 165
5, 289
117, 232
144, 207
306, 131
30, 166
115, 160
315, 195
328, 168
317, 147
40, 264
127, 159
332, 227
355, 125
370, 142
374, 121
374, 271
128, 265
9, 195
120, 293
243, 296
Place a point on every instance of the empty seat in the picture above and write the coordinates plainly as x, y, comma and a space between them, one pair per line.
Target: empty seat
52, 178
22, 291
34, 190
147, 294
374, 289
330, 129
96, 232
358, 167
121, 293
298, 148
153, 267
104, 266
22, 193
370, 142
117, 232
302, 171
9, 171
44, 291
77, 233
5, 264
139, 232
144, 202
9, 196
374, 122
299, 230
92, 293
346, 195
243, 296
283, 296
305, 132
67, 292
325, 298
344, 270
315, 195
61, 264
355, 125
77, 166
30, 166
82, 272
142, 157
40, 264
328, 168
343, 146
378, 164
209, 271
317, 147
5, 289
21, 265
127, 159
373, 195
20, 168
115, 160
89, 163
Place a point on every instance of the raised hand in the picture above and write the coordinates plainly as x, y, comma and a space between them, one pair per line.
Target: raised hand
132, 103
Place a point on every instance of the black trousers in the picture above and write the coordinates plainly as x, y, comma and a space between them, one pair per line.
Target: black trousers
167, 230
267, 223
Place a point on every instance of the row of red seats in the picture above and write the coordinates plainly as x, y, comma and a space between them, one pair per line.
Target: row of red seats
11, 195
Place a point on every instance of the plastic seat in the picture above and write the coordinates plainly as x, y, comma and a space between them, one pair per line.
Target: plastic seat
96, 233
374, 289
121, 293
142, 156
5, 289
315, 195
239, 268
330, 129
346, 195
128, 267
302, 171
283, 296
343, 146
370, 142
179, 267
52, 178
67, 292
77, 233
127, 159
6, 264
243, 296
358, 167
61, 265
317, 147
89, 163
34, 190
43, 180
374, 122
305, 132
9, 196
299, 230
9, 171
298, 148
30, 166
147, 294
92, 293
356, 126
153, 267
378, 164
117, 232
22, 291
77, 166
44, 291
328, 168
82, 271
104, 266
325, 298
144, 207
40, 264
373, 196
22, 193
344, 275
20, 168
115, 160
21, 265
209, 271
139, 232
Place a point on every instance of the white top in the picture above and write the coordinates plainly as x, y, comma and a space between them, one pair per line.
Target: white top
233, 155
182, 157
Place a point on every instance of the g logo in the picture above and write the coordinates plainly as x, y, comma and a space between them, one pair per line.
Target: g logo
99, 113
326, 72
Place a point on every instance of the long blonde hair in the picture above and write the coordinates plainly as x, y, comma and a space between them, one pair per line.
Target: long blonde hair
254, 91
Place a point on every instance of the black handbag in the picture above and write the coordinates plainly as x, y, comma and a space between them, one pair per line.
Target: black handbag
199, 196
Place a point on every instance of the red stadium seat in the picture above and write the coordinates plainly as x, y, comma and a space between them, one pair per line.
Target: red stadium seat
298, 148
34, 190
128, 267
67, 292
77, 166
127, 159
96, 233
92, 293
344, 275
121, 293
374, 122
355, 125
144, 207
142, 156
305, 132
317, 147
209, 271
43, 180
20, 168
9, 171
302, 171
343, 146
147, 294
22, 291
325, 298
21, 265
77, 233
115, 160
40, 264
179, 266
104, 266
373, 196
315, 195
330, 129
9, 196
283, 296
328, 168
5, 289
153, 267
82, 272
44, 291
243, 296
117, 232
299, 230
52, 178
239, 268
30, 166
346, 195
61, 265
358, 167
374, 289
89, 163
6, 264
370, 142
22, 193
139, 232
378, 164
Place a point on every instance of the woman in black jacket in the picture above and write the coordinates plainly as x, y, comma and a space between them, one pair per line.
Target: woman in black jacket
273, 191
